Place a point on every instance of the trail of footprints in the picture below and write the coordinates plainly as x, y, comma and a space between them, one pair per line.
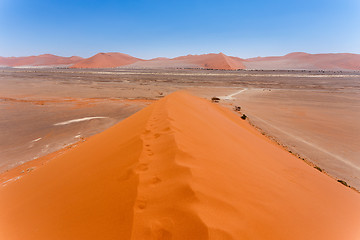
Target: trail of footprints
150, 178
147, 158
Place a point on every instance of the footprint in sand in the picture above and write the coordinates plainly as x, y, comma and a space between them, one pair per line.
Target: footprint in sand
149, 152
141, 203
166, 129
142, 167
162, 229
147, 132
155, 180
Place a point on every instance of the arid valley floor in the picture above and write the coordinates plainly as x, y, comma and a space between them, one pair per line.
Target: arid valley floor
314, 114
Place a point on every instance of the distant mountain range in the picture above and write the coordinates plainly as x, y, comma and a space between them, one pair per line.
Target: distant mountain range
292, 61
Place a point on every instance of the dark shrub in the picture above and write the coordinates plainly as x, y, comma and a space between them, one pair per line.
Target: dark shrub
215, 99
342, 182
318, 168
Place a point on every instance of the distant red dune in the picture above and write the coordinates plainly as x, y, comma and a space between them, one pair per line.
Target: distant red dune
106, 60
292, 61
41, 60
159, 58
204, 61
214, 61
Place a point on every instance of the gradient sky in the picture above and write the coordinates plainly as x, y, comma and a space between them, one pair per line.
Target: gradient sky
156, 28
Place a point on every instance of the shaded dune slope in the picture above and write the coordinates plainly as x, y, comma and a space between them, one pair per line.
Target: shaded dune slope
41, 60
213, 61
182, 168
207, 61
106, 60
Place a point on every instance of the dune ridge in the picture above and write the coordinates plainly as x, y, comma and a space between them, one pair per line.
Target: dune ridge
182, 168
291, 61
214, 61
41, 60
204, 61
106, 60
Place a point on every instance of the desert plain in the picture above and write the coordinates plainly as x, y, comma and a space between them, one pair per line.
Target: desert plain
314, 114
309, 119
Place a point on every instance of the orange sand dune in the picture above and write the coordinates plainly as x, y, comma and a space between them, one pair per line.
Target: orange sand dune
208, 61
182, 168
41, 60
300, 60
214, 61
106, 60
159, 58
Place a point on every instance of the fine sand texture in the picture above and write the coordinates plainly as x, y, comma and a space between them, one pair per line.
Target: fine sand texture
182, 168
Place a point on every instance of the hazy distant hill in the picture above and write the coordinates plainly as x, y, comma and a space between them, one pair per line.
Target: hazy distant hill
292, 61
41, 60
106, 60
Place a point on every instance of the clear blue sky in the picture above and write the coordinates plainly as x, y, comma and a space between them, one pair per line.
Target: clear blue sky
157, 28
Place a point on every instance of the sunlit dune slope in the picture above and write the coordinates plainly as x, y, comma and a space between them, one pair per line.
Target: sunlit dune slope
41, 60
106, 60
213, 61
182, 168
